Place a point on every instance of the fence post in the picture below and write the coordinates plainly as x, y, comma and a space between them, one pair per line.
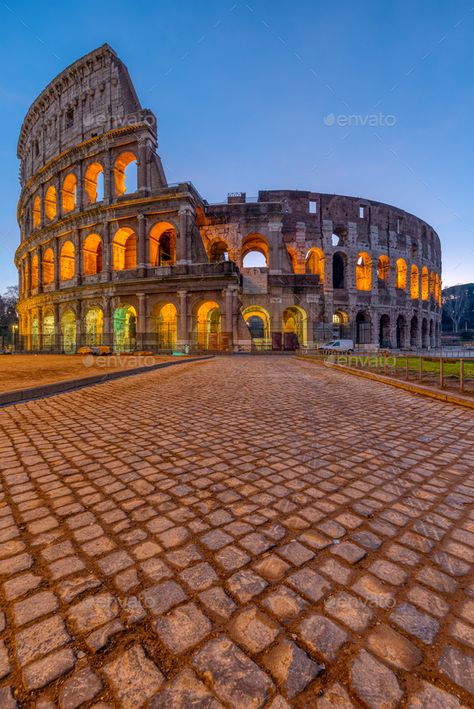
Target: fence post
441, 373
461, 375
420, 369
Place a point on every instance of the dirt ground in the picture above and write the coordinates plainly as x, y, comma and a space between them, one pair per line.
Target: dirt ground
25, 371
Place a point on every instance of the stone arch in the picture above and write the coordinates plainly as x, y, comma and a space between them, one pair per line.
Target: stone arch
401, 274
431, 335
384, 331
48, 330
401, 332
165, 325
363, 328
48, 266
94, 183
66, 261
124, 249
92, 255
162, 244
69, 193
36, 212
424, 283
68, 331
363, 275
125, 328
339, 262
257, 320
424, 333
340, 321
414, 331
315, 262
414, 283
294, 327
383, 271
50, 203
94, 326
432, 284
34, 271
255, 243
208, 325
218, 251
125, 173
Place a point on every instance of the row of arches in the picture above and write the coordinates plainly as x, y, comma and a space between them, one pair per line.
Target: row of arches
64, 199
402, 333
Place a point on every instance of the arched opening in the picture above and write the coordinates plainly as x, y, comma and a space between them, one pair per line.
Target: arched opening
438, 289
432, 285
384, 332
34, 271
94, 323
50, 205
383, 271
208, 325
294, 328
92, 255
68, 331
166, 325
48, 267
363, 329
162, 244
424, 333
432, 335
414, 332
414, 283
48, 331
66, 261
340, 321
94, 183
424, 283
125, 173
218, 252
36, 212
124, 249
363, 271
401, 275
401, 332
255, 251
35, 333
69, 193
26, 274
338, 271
125, 328
315, 263
257, 320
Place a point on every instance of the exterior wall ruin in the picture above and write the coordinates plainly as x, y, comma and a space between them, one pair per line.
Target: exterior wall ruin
112, 255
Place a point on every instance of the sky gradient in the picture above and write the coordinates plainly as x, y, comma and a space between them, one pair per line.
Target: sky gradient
270, 95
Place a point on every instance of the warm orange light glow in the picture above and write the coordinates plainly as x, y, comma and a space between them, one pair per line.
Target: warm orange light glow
432, 284
121, 173
34, 271
255, 242
162, 244
166, 325
315, 263
36, 212
125, 328
50, 207
68, 331
424, 283
66, 261
92, 255
414, 283
401, 275
258, 322
363, 271
69, 193
295, 321
438, 289
94, 322
383, 270
124, 249
48, 266
94, 174
208, 323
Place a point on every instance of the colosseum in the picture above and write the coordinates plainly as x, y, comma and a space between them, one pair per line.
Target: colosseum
113, 255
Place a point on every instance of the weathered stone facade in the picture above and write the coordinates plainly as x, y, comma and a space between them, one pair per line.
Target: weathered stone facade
108, 257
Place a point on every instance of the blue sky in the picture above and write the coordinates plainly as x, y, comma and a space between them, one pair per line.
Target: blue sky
242, 92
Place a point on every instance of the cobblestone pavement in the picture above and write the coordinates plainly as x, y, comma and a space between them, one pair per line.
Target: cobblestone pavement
241, 532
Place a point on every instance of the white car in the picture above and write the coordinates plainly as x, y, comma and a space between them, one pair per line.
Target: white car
338, 346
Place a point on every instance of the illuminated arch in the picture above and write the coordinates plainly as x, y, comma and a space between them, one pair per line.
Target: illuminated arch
34, 271
94, 183
162, 244
36, 212
432, 284
48, 266
124, 249
383, 271
401, 274
438, 289
258, 323
363, 271
94, 324
92, 255
165, 325
35, 332
218, 251
69, 193
125, 328
125, 173
66, 261
315, 263
48, 331
295, 323
252, 245
414, 283
68, 331
208, 325
50, 204
424, 283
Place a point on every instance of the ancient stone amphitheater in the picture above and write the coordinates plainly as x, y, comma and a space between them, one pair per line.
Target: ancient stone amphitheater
111, 254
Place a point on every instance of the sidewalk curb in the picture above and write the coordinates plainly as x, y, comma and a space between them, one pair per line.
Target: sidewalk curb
20, 396
440, 395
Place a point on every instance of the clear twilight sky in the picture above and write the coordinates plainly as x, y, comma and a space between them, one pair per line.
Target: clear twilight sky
275, 94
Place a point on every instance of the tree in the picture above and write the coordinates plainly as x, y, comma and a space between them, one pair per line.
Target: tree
8, 314
455, 301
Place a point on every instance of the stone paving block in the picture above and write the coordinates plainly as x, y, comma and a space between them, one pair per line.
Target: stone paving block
309, 583
40, 639
433, 697
416, 623
462, 632
199, 577
160, 598
252, 629
459, 667
394, 648
5, 665
133, 677
292, 668
217, 603
183, 692
245, 584
374, 683
182, 628
335, 697
322, 636
271, 567
82, 687
40, 673
349, 552
34, 607
92, 612
285, 604
350, 610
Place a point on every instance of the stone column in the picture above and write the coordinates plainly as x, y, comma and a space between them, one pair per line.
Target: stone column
80, 186
183, 332
59, 200
28, 279
228, 329
142, 250
42, 219
78, 270
39, 252
183, 246
109, 191
107, 338
56, 252
142, 167
57, 328
40, 329
79, 325
276, 245
106, 253
141, 321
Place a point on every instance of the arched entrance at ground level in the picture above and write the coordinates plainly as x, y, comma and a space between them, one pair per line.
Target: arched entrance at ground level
384, 331
68, 332
94, 324
125, 328
363, 329
432, 336
48, 332
257, 320
424, 333
401, 332
34, 333
414, 332
165, 325
294, 328
340, 321
208, 326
